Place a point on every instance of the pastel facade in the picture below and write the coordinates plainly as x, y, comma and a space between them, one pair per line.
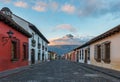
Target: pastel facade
71, 56
83, 54
102, 50
13, 43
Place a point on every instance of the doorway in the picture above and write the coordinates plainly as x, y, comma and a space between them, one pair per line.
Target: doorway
86, 56
42, 56
32, 56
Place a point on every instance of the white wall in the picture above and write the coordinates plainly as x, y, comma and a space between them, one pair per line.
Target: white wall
82, 60
25, 25
115, 52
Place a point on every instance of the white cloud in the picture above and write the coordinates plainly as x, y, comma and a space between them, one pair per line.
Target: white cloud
67, 27
5, 1
21, 4
69, 39
98, 7
68, 8
40, 6
54, 5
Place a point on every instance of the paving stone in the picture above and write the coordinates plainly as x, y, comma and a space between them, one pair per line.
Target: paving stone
59, 71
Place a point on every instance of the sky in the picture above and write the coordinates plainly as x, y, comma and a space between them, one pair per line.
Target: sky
57, 18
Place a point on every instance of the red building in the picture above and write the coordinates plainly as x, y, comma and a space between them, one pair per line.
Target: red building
13, 42
73, 56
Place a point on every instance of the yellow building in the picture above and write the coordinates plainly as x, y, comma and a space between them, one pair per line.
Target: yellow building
52, 55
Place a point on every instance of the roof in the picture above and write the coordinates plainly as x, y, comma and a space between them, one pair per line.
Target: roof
106, 34
33, 27
38, 32
102, 36
6, 19
6, 9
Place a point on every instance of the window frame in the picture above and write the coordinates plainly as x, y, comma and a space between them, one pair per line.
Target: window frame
16, 56
97, 54
25, 51
89, 53
106, 54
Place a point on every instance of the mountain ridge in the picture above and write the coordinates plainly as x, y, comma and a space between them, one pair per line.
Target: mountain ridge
61, 49
67, 43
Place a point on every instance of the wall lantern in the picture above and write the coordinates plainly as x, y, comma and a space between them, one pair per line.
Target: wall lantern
10, 35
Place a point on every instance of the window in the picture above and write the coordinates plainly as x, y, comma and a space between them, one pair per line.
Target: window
25, 51
33, 35
46, 49
39, 45
106, 52
42, 47
102, 52
14, 55
97, 54
33, 41
77, 53
88, 53
15, 49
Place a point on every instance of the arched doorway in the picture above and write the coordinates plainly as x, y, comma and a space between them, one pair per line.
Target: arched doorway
32, 56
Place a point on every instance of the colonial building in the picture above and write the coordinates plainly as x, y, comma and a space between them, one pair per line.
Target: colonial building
72, 56
37, 43
104, 49
83, 53
37, 46
13, 42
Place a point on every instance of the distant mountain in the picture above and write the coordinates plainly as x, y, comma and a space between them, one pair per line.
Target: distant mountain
69, 39
61, 49
67, 43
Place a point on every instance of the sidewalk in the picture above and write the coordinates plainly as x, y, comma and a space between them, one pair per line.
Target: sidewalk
13, 71
18, 70
107, 71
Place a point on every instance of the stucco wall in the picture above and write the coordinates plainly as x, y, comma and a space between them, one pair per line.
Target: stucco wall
5, 50
25, 25
115, 52
82, 60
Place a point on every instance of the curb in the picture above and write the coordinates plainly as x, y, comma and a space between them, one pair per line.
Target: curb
13, 71
18, 70
109, 72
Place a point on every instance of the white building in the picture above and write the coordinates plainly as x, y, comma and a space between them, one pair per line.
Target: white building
83, 53
37, 44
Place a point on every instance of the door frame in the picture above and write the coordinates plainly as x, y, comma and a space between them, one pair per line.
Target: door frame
32, 56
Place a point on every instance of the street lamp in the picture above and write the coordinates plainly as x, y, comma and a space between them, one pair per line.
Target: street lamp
10, 35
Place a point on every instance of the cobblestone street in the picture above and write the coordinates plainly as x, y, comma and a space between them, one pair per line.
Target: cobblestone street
59, 71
